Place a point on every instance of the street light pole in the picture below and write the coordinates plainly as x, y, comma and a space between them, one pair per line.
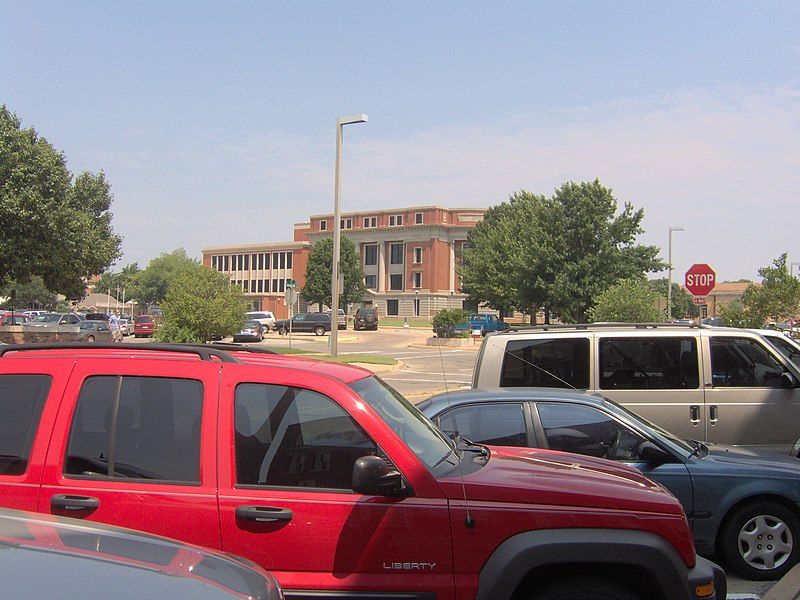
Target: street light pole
337, 230
669, 271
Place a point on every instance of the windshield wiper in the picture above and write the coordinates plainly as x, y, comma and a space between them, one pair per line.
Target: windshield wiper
698, 446
467, 446
444, 459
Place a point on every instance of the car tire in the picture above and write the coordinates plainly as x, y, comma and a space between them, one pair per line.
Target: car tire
90, 339
761, 541
319, 330
589, 589
282, 331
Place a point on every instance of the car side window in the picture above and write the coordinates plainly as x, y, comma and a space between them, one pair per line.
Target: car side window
648, 363
562, 363
743, 362
294, 437
300, 317
22, 399
496, 424
137, 427
586, 430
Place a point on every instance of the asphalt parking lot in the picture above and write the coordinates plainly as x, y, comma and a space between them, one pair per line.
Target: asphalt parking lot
426, 370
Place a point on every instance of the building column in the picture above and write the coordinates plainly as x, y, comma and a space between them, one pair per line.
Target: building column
381, 267
452, 266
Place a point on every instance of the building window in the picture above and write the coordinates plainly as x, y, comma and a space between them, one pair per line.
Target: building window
417, 279
418, 218
416, 307
275, 260
288, 260
371, 281
283, 260
418, 256
371, 255
246, 262
225, 263
393, 308
274, 286
260, 285
252, 285
396, 283
266, 286
346, 223
395, 220
370, 221
214, 262
283, 286
323, 225
396, 254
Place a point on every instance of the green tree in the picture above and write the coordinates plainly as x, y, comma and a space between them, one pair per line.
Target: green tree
682, 305
317, 289
502, 262
590, 247
627, 301
53, 226
200, 305
446, 319
777, 297
127, 279
32, 295
152, 283
737, 315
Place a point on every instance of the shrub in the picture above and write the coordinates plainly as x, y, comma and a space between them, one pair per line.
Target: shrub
445, 321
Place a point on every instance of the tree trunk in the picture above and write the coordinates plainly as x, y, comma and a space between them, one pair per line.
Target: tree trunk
533, 314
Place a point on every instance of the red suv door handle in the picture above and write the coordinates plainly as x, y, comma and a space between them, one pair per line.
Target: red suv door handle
263, 514
70, 502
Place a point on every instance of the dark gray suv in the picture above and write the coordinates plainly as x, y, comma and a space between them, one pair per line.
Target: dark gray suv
317, 323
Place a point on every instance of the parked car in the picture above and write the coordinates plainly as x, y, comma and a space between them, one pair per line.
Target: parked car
94, 331
732, 498
14, 319
125, 326
143, 326
252, 331
54, 320
487, 323
317, 323
97, 316
266, 318
718, 384
366, 318
320, 472
35, 313
46, 556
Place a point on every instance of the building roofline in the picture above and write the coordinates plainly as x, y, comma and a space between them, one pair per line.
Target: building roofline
401, 210
255, 247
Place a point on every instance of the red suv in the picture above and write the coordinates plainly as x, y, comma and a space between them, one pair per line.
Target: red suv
324, 475
143, 326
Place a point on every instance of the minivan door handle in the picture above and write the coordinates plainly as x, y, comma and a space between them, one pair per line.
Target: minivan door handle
70, 502
263, 514
713, 414
694, 414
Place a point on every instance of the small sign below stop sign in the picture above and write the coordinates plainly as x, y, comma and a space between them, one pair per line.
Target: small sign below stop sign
700, 279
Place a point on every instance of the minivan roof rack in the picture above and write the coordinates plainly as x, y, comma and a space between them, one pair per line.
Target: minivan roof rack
219, 351
605, 324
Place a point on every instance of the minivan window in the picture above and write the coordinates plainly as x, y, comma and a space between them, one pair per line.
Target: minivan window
22, 398
561, 363
790, 350
648, 363
743, 362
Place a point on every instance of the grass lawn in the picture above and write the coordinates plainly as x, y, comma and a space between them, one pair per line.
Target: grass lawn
399, 322
370, 359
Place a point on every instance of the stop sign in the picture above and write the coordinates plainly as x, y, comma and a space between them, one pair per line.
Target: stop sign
700, 279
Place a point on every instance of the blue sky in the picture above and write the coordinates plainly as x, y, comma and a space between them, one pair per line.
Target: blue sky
215, 124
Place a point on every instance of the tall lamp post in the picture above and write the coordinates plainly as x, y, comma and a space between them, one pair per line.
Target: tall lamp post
337, 229
669, 273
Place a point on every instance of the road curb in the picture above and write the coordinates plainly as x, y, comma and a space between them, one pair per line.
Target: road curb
787, 587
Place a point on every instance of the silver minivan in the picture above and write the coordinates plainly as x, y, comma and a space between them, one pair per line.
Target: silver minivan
715, 384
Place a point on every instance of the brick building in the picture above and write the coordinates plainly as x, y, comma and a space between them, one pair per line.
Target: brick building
408, 256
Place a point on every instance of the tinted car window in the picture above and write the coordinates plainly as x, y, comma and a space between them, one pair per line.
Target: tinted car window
743, 362
497, 424
788, 349
562, 363
586, 430
22, 398
154, 424
648, 363
293, 437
